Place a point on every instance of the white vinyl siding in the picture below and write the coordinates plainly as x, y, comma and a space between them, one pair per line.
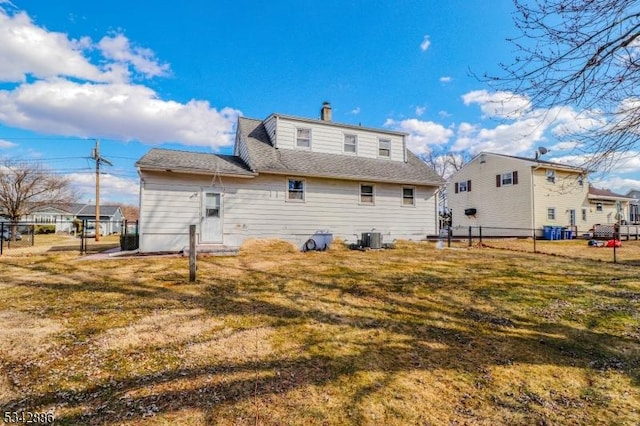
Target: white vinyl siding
329, 138
255, 208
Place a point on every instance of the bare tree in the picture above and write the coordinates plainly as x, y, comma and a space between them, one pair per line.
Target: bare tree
584, 54
445, 164
26, 187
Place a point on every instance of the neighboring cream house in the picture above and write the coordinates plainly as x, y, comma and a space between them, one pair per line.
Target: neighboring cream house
509, 195
288, 178
63, 216
607, 207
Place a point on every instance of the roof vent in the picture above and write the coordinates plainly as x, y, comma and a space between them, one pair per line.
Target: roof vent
325, 112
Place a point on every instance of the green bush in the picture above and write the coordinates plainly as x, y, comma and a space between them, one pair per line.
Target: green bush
45, 229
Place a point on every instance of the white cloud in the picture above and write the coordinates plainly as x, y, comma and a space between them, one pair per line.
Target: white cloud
445, 79
422, 134
68, 95
511, 139
119, 49
498, 104
444, 114
425, 43
119, 111
112, 188
355, 111
27, 49
420, 110
4, 144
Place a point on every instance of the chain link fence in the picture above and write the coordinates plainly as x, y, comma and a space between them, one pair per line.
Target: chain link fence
619, 244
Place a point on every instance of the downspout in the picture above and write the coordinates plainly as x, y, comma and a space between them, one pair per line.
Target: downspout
533, 204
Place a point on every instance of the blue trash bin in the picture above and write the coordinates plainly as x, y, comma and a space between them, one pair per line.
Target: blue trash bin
548, 232
557, 233
565, 234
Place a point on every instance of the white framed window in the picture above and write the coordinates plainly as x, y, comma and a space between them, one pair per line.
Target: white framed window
584, 215
462, 186
367, 193
303, 138
296, 189
599, 207
384, 148
408, 196
350, 144
507, 178
551, 176
551, 213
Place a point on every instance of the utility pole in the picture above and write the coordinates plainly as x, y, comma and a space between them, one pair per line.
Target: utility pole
96, 156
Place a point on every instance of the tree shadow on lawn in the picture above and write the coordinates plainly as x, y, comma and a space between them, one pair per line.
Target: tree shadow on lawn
429, 334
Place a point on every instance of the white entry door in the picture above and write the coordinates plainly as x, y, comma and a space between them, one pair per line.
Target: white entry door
212, 218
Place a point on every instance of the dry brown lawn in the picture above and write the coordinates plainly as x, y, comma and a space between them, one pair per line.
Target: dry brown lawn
413, 335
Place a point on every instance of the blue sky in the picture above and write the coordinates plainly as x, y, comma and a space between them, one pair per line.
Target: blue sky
141, 74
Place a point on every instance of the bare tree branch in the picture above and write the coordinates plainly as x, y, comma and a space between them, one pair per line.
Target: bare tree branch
27, 187
584, 54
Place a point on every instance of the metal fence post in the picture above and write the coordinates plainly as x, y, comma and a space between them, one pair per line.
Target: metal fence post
192, 253
470, 238
480, 234
1, 237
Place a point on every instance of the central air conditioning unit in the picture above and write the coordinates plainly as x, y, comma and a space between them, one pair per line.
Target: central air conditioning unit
372, 240
470, 212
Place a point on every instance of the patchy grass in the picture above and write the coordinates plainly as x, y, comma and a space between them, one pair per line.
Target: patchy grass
413, 335
629, 253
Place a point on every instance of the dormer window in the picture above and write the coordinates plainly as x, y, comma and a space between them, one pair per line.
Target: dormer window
384, 148
303, 138
350, 143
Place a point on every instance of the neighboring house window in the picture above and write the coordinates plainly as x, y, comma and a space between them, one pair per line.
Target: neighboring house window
295, 190
350, 142
463, 186
508, 178
366, 193
384, 148
551, 213
584, 215
599, 207
551, 176
303, 138
408, 196
581, 180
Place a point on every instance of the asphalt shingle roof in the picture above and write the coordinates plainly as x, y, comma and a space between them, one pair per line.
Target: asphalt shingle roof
264, 158
166, 159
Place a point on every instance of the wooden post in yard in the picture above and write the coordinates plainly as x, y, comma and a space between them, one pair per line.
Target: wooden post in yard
192, 253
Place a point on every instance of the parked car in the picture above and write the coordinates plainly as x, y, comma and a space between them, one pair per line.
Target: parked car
90, 231
6, 235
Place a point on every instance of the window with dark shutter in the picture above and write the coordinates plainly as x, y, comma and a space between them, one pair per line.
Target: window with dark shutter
456, 187
498, 180
468, 186
515, 177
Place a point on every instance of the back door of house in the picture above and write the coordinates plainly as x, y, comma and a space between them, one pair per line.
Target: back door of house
211, 218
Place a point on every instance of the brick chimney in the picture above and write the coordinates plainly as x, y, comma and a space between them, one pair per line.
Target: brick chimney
325, 112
